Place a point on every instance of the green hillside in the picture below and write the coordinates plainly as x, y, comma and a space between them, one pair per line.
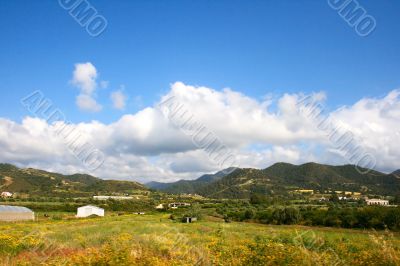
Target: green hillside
277, 179
39, 182
283, 177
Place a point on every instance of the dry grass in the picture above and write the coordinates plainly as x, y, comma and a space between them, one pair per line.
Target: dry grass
156, 240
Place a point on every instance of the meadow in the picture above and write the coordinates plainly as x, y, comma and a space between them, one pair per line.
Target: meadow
154, 239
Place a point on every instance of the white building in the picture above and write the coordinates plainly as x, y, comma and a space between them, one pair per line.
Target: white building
88, 210
112, 197
159, 206
377, 202
175, 205
189, 219
6, 194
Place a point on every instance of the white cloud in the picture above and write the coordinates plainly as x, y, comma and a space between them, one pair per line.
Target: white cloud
87, 103
84, 77
147, 146
375, 123
118, 99
240, 120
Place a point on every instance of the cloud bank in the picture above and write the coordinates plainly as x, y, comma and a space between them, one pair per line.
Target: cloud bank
146, 146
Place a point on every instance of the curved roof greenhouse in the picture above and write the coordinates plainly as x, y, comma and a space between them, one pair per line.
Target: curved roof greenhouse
15, 213
6, 208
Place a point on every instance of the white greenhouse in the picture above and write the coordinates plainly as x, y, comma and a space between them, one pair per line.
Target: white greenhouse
15, 213
86, 211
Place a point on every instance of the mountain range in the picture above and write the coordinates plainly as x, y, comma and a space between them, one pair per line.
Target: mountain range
39, 182
189, 186
277, 179
283, 177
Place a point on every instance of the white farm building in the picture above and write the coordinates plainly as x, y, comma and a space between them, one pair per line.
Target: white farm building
86, 211
112, 197
15, 213
377, 202
6, 194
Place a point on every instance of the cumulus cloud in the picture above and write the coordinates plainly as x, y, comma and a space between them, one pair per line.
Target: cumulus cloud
84, 77
147, 145
118, 99
375, 123
241, 120
87, 103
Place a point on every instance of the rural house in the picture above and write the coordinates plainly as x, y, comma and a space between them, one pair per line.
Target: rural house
86, 211
6, 194
377, 202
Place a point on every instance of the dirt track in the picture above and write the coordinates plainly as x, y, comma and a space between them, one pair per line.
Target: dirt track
8, 181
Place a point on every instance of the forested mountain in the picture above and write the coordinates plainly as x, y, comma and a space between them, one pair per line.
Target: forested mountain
277, 179
39, 182
282, 177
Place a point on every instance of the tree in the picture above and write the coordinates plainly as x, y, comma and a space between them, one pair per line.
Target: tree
249, 214
194, 211
256, 198
288, 215
334, 198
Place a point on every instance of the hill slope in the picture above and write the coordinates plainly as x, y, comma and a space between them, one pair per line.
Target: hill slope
282, 177
39, 182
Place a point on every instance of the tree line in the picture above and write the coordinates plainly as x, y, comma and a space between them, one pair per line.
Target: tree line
376, 217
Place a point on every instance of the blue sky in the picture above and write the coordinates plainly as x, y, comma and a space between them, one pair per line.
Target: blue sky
257, 48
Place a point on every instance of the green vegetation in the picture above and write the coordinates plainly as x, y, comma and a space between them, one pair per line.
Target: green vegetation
38, 182
70, 204
267, 223
281, 178
364, 217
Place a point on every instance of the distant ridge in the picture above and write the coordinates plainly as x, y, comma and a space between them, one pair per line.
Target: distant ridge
281, 177
39, 182
277, 179
189, 186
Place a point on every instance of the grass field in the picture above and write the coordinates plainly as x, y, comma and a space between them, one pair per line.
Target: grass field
156, 240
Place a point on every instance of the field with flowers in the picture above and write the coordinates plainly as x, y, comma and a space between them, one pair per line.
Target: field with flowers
157, 240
